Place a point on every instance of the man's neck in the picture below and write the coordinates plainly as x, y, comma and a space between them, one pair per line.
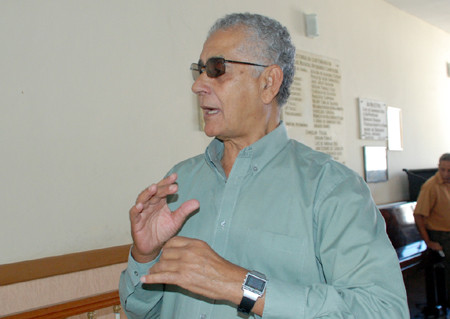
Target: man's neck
230, 153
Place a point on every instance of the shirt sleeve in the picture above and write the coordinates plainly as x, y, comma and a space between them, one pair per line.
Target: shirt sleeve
139, 301
425, 201
361, 273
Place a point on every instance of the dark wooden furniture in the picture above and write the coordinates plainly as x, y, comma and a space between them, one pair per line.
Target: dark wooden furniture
416, 178
413, 254
402, 231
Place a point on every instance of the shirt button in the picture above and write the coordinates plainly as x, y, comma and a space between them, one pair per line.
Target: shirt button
136, 273
223, 224
202, 316
255, 168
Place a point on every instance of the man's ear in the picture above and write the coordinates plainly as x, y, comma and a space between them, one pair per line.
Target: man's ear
272, 78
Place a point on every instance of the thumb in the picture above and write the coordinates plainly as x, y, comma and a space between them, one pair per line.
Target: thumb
185, 210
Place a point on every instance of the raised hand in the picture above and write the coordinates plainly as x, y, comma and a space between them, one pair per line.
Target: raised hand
152, 222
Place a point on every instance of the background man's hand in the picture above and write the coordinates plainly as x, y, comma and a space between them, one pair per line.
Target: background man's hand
434, 245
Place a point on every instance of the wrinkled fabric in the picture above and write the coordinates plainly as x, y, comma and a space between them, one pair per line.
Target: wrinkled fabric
434, 203
305, 221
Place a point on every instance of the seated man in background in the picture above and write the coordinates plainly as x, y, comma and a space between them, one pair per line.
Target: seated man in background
259, 225
432, 214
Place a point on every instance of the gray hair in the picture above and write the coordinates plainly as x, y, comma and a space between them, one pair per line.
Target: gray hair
269, 40
444, 157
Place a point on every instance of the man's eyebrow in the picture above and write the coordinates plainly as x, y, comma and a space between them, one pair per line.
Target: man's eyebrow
211, 57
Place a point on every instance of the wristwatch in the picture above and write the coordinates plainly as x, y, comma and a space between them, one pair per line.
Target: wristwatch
254, 286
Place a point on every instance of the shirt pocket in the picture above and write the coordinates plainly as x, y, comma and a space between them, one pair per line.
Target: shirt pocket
286, 256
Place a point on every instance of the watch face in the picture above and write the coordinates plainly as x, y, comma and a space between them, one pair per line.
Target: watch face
255, 283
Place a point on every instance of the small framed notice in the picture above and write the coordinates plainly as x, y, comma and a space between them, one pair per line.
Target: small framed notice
375, 164
395, 129
373, 120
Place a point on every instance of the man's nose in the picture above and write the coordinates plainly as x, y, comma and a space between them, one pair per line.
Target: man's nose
200, 86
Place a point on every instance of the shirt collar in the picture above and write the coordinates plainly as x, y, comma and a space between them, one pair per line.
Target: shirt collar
261, 152
439, 178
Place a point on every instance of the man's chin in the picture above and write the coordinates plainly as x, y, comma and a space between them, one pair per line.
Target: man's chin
209, 132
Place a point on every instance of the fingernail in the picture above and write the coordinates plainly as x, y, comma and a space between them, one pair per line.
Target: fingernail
143, 279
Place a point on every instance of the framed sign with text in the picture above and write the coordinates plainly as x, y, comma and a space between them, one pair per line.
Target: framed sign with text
373, 119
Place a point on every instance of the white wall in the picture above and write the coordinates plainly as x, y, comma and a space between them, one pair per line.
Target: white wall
96, 104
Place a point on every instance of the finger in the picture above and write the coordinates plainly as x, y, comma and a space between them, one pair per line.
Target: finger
167, 186
166, 270
187, 208
159, 190
174, 248
179, 242
169, 180
135, 211
160, 278
186, 250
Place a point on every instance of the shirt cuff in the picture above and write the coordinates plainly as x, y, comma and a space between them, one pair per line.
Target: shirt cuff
283, 300
136, 270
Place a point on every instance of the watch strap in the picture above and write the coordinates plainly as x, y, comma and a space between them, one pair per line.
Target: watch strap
246, 305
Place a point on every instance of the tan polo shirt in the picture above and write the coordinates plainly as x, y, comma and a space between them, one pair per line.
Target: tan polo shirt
434, 203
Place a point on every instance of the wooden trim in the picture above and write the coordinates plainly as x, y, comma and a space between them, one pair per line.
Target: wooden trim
59, 265
71, 308
411, 262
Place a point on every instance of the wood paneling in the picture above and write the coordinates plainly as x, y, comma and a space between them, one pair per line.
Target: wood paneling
59, 265
71, 308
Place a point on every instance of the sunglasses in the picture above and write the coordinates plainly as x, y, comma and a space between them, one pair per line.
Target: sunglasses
215, 67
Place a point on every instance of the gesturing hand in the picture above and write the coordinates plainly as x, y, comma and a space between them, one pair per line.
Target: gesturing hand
152, 222
193, 265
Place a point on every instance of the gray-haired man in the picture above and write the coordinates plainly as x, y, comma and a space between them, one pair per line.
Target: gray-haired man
260, 225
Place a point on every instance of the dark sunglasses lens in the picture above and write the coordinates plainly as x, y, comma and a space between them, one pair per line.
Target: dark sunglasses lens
196, 69
215, 67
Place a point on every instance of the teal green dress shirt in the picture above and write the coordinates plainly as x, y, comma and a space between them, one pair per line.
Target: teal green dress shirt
305, 221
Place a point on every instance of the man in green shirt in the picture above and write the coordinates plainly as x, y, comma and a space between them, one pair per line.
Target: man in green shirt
259, 225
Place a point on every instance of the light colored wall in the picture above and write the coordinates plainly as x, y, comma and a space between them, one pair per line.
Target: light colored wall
96, 104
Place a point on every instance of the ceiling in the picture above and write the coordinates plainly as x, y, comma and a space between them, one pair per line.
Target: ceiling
435, 12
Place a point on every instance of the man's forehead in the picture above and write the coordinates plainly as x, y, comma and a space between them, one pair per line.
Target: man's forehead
444, 164
222, 43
